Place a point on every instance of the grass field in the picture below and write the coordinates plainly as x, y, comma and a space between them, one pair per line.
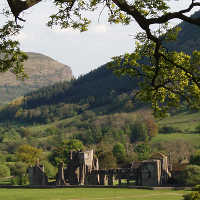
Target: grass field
184, 121
90, 194
194, 139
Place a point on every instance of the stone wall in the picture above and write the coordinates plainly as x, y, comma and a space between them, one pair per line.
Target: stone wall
80, 167
83, 169
37, 176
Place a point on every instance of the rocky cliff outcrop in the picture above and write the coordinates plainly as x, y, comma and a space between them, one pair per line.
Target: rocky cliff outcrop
42, 71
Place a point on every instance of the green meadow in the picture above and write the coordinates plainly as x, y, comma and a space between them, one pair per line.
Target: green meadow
90, 194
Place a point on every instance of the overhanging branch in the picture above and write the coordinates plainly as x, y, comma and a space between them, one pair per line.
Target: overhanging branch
18, 6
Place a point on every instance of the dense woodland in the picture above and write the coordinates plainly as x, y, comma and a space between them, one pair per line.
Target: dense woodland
66, 99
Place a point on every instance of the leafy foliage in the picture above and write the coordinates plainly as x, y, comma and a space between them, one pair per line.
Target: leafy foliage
28, 154
168, 129
167, 84
107, 160
11, 57
139, 132
190, 176
119, 152
192, 196
49, 169
4, 171
143, 150
62, 153
198, 129
195, 158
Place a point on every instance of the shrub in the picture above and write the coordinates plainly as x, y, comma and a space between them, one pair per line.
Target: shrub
192, 196
151, 127
2, 157
61, 153
197, 129
11, 158
14, 180
49, 169
190, 176
119, 151
18, 169
195, 158
139, 132
179, 149
143, 151
168, 129
19, 180
196, 188
4, 171
107, 160
28, 154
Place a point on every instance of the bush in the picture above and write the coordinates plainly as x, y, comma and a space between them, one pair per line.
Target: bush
190, 176
14, 180
11, 158
4, 171
197, 129
19, 180
192, 196
195, 158
18, 169
139, 132
119, 152
2, 157
107, 160
143, 151
62, 153
196, 188
49, 169
169, 129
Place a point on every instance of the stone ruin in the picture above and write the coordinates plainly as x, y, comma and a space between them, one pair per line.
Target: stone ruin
153, 172
36, 175
78, 172
83, 169
79, 169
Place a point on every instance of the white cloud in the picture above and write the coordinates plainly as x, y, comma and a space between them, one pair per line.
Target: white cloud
21, 37
100, 28
58, 30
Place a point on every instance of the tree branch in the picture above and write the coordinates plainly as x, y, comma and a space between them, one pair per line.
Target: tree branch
18, 6
189, 74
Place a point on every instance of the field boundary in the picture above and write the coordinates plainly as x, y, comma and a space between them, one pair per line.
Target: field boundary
90, 186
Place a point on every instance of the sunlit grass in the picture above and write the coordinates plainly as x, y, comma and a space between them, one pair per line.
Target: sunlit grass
90, 194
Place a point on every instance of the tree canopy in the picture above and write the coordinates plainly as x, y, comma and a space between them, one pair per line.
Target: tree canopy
167, 77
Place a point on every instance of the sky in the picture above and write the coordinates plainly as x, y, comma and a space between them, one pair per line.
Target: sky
82, 52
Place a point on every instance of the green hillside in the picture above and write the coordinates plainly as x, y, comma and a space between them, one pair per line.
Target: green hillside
188, 38
101, 111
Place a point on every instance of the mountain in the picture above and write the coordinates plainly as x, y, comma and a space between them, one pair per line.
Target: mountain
42, 71
188, 38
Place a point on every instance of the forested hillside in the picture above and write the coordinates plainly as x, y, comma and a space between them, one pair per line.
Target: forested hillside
188, 39
98, 88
